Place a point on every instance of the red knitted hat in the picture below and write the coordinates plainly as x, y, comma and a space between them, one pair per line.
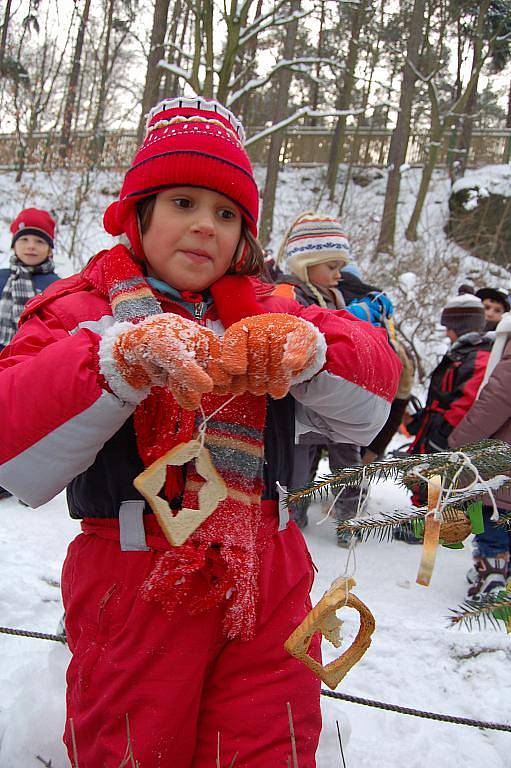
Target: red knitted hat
188, 142
33, 221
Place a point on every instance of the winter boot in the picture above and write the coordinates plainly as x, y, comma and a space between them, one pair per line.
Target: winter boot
344, 538
490, 576
300, 517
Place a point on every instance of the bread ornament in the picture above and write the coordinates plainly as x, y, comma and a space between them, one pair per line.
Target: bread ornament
322, 618
177, 527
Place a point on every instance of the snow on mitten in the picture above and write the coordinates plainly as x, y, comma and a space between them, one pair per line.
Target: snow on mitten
166, 351
267, 354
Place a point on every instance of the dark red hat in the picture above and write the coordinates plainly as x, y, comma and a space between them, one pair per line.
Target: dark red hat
188, 142
33, 221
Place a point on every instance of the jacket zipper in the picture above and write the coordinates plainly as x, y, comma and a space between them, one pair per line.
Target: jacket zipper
198, 311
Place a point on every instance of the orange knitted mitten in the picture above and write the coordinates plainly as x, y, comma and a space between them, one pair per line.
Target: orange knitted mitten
268, 353
170, 351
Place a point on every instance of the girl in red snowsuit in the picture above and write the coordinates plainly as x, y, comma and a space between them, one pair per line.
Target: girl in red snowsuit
154, 343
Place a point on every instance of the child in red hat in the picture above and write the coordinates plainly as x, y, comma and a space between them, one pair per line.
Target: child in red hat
165, 346
31, 269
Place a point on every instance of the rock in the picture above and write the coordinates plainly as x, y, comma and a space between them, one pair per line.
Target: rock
365, 176
480, 221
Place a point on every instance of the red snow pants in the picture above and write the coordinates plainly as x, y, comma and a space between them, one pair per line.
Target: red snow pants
185, 690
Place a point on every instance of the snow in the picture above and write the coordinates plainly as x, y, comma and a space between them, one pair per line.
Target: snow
415, 659
491, 179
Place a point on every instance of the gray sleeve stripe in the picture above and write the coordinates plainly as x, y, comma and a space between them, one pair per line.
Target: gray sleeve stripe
43, 470
338, 409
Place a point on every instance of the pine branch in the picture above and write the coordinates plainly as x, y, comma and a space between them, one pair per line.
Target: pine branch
384, 524
488, 609
492, 458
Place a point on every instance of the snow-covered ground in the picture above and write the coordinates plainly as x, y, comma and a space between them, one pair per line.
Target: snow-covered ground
415, 660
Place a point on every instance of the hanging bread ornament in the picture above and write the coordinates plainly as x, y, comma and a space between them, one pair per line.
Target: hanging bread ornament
455, 528
178, 527
322, 618
432, 525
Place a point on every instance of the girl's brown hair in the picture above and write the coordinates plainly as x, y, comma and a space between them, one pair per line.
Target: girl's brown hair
249, 256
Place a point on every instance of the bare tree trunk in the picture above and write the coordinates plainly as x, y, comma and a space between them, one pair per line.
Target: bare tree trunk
172, 54
314, 96
344, 97
245, 104
401, 133
5, 26
209, 55
280, 112
73, 83
171, 79
439, 127
235, 20
508, 124
156, 52
465, 138
98, 128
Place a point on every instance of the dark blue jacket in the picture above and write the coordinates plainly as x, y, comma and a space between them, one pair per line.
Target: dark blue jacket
40, 281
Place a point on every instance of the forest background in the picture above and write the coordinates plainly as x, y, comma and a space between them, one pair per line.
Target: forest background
326, 76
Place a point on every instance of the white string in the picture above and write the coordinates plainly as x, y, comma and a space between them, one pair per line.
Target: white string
362, 501
326, 514
451, 490
201, 429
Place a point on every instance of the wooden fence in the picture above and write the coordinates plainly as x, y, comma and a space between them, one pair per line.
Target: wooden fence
304, 146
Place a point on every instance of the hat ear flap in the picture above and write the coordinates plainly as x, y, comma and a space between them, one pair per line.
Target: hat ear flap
129, 226
111, 219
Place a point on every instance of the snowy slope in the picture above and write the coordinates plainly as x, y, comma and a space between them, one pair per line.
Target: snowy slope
414, 660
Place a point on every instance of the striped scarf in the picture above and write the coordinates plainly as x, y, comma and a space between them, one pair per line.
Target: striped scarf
219, 564
18, 289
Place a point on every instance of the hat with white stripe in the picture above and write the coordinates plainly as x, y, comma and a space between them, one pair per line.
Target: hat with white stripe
313, 239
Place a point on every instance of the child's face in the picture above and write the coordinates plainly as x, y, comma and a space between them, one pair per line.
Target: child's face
327, 274
31, 250
493, 310
192, 237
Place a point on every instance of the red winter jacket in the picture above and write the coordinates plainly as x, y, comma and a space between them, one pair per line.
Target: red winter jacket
61, 427
490, 417
452, 390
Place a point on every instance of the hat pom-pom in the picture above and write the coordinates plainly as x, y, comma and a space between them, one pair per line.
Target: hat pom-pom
111, 221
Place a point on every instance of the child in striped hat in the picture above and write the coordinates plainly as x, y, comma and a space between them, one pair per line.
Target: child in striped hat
315, 250
169, 343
